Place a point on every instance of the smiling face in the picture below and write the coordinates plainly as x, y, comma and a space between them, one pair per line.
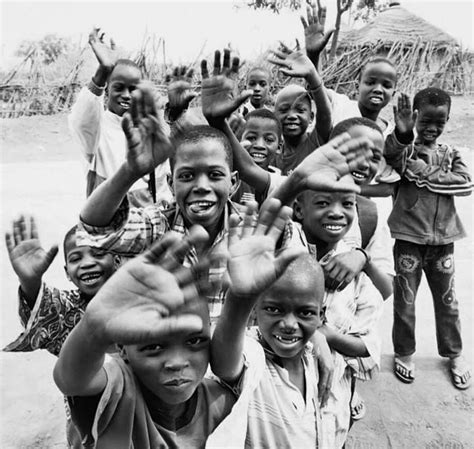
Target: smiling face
88, 268
173, 367
288, 313
202, 182
258, 82
326, 216
367, 169
376, 86
430, 122
122, 82
263, 134
293, 109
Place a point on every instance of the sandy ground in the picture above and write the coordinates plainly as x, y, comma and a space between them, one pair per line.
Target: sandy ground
42, 174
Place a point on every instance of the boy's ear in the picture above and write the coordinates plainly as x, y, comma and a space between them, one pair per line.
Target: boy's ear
298, 210
123, 353
117, 261
312, 115
67, 273
235, 180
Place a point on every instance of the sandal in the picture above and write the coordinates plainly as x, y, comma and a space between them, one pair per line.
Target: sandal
460, 373
358, 408
404, 371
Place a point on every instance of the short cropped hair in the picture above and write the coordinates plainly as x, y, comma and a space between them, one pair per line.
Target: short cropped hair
347, 124
259, 69
431, 96
265, 114
71, 234
375, 60
197, 134
126, 63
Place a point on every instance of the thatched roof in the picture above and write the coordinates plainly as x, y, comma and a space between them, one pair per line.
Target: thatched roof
396, 24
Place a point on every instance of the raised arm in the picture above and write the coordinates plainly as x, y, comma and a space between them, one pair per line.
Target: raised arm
252, 268
138, 304
28, 258
297, 64
323, 169
148, 147
218, 103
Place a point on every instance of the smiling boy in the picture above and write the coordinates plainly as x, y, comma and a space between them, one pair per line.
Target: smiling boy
49, 314
99, 132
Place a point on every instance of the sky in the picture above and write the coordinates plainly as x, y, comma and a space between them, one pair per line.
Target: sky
191, 26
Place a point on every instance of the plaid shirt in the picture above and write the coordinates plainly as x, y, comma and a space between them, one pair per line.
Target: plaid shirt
54, 316
133, 230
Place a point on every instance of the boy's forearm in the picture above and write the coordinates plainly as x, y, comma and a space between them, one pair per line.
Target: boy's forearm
101, 75
348, 345
79, 369
249, 171
228, 339
290, 188
323, 105
104, 201
382, 281
30, 289
382, 189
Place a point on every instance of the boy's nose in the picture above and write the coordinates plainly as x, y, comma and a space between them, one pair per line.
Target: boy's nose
336, 211
289, 323
202, 183
259, 144
126, 94
176, 362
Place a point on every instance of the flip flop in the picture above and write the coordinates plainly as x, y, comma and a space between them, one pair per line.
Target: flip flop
404, 372
358, 408
457, 376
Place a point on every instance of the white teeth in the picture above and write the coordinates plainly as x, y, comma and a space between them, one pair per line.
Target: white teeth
358, 175
333, 227
90, 277
376, 100
287, 340
258, 156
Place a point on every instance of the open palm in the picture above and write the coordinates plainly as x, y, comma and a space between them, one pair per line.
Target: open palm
105, 54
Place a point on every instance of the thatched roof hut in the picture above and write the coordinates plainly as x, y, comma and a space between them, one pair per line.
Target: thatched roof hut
396, 25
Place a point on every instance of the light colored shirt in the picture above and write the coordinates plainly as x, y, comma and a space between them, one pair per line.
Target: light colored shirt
102, 142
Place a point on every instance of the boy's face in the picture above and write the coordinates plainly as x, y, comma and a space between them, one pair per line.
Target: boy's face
174, 366
264, 137
326, 216
377, 85
430, 122
258, 82
88, 268
293, 109
288, 315
202, 182
122, 82
367, 169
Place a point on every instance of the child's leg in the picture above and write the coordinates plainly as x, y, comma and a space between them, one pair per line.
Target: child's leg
408, 258
439, 270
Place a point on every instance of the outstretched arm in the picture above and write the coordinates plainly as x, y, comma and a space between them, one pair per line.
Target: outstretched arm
138, 304
323, 169
105, 54
252, 267
297, 64
218, 103
148, 147
29, 260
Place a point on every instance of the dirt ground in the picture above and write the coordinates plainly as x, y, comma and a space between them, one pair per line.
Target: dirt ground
42, 174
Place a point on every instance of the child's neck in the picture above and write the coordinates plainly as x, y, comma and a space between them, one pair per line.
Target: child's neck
292, 142
170, 416
295, 369
367, 113
430, 145
322, 247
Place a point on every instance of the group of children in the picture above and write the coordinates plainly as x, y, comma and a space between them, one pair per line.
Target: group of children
258, 266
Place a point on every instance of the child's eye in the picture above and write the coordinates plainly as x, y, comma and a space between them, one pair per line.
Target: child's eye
184, 176
197, 341
321, 204
271, 309
98, 252
151, 348
348, 204
74, 259
250, 138
282, 110
270, 139
263, 84
216, 174
132, 88
307, 313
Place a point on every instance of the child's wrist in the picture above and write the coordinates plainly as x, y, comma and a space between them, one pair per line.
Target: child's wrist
406, 137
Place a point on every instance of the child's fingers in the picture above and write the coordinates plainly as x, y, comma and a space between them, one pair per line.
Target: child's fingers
23, 229
17, 232
33, 228
204, 71
279, 222
217, 63
101, 37
165, 326
346, 184
297, 45
309, 14
234, 70
415, 115
112, 44
9, 242
338, 142
234, 229
268, 212
51, 254
134, 114
250, 219
226, 62
322, 15
285, 257
190, 74
284, 48
304, 23
241, 99
395, 111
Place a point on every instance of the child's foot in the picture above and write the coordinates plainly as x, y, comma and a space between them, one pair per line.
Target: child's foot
404, 368
460, 372
357, 407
